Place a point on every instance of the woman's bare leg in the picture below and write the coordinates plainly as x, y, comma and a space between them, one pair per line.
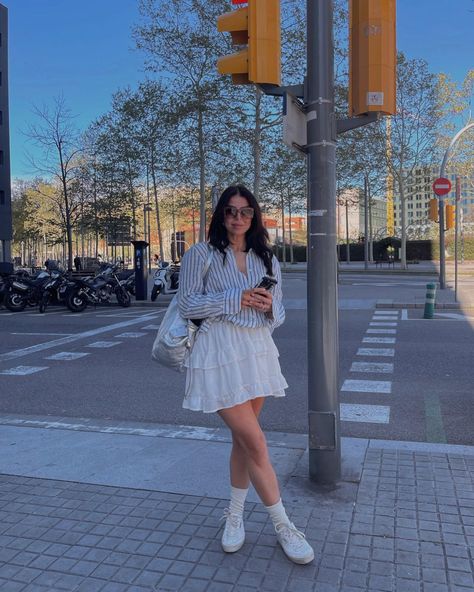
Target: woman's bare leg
239, 473
246, 431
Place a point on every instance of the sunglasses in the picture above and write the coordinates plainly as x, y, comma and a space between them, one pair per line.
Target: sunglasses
246, 212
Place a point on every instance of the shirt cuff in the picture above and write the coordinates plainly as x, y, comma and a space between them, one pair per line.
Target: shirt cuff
232, 301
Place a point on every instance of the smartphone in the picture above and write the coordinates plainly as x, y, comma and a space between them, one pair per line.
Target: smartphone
267, 282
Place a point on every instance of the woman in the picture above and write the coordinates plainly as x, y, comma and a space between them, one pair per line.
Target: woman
233, 365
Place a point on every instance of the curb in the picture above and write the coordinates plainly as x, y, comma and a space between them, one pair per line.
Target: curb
438, 305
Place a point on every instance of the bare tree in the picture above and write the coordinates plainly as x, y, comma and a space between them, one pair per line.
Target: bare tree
56, 136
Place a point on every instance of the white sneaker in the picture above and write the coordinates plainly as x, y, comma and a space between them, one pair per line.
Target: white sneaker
294, 543
233, 536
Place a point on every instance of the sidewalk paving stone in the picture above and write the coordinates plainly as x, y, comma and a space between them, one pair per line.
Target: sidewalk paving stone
407, 525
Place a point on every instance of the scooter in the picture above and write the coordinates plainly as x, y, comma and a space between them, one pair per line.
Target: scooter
165, 280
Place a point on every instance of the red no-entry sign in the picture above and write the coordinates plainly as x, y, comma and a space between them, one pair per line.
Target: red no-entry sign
442, 186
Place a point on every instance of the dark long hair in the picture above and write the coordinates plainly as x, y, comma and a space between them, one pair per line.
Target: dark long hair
256, 236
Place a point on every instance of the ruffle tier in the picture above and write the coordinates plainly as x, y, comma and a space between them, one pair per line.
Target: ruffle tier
230, 365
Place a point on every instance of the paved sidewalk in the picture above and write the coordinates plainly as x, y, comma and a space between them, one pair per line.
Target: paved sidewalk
93, 506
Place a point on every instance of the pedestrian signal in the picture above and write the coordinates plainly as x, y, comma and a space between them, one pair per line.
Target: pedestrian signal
256, 28
372, 57
433, 211
450, 217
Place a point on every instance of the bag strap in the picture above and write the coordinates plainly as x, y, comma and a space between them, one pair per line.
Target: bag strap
207, 265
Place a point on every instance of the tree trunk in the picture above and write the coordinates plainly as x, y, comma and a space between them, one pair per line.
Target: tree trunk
290, 227
256, 148
157, 206
202, 177
403, 224
348, 248
283, 229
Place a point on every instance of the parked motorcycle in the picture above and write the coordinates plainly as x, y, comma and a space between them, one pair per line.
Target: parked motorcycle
165, 280
55, 289
127, 280
97, 290
24, 291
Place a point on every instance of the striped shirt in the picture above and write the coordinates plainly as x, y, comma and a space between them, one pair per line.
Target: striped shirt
218, 298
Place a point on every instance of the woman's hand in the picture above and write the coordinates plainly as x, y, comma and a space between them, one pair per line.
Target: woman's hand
258, 299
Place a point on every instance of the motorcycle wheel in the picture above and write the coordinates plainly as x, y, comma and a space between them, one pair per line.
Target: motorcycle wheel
43, 303
123, 298
154, 293
15, 302
76, 302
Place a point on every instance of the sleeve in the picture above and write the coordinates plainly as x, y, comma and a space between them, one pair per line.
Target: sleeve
276, 316
193, 303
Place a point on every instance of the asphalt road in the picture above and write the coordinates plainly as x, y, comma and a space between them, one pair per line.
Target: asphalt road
422, 371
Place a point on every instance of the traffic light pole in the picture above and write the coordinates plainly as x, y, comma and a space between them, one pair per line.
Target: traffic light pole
323, 349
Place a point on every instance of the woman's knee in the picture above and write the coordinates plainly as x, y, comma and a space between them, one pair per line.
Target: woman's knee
253, 444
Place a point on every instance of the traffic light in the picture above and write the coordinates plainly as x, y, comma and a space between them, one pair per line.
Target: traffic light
258, 27
372, 57
450, 217
433, 211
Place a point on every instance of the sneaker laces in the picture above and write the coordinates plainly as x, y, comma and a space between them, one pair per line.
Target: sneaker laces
291, 535
233, 521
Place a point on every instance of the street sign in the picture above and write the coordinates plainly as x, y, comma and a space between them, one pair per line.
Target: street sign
442, 186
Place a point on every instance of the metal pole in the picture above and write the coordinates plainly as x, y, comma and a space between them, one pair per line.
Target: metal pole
366, 225
442, 266
323, 347
456, 234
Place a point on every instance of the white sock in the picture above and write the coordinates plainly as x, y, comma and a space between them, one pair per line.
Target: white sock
278, 514
237, 500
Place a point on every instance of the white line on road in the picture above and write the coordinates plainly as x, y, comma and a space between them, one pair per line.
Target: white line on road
23, 370
372, 367
151, 327
365, 413
131, 334
376, 324
66, 356
367, 386
376, 351
18, 353
382, 331
404, 314
378, 340
379, 311
57, 334
103, 344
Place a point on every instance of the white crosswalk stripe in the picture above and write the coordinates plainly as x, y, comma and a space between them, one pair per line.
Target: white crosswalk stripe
365, 413
23, 370
376, 351
378, 340
372, 367
367, 386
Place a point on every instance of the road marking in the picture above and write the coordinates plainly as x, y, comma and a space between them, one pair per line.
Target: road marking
71, 338
376, 324
386, 312
376, 351
151, 327
23, 370
404, 314
365, 413
380, 318
378, 340
57, 334
103, 344
367, 386
66, 356
131, 334
455, 316
433, 419
382, 331
373, 367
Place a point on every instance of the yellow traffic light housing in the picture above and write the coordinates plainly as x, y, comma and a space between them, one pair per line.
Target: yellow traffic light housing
258, 27
433, 211
450, 217
372, 57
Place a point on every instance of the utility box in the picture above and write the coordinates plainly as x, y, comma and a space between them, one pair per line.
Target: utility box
141, 269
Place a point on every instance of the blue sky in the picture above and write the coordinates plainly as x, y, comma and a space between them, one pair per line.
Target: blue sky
84, 50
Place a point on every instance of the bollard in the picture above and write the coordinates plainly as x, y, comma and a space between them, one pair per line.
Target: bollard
430, 301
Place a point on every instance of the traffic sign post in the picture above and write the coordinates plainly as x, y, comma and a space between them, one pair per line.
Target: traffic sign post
441, 187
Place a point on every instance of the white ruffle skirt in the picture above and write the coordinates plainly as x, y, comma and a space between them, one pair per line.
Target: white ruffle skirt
229, 365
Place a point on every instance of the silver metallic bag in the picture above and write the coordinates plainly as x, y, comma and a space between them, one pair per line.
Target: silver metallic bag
176, 334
